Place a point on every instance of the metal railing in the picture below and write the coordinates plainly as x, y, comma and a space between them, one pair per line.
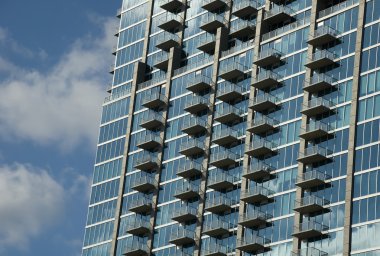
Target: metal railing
316, 150
309, 251
256, 190
312, 175
310, 200
223, 155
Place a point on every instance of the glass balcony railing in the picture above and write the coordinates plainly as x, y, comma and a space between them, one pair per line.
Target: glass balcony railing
136, 249
323, 35
221, 181
223, 159
182, 236
170, 5
258, 171
211, 21
319, 82
311, 179
148, 140
218, 204
244, 8
186, 190
253, 219
309, 229
212, 5
170, 21
242, 28
316, 106
199, 83
228, 91
216, 228
260, 147
320, 59
314, 154
285, 29
268, 57
266, 79
144, 183
315, 130
213, 249
262, 124
237, 48
252, 243
140, 204
161, 60
195, 104
207, 42
310, 204
185, 213
151, 120
192, 147
224, 135
231, 70
309, 251
189, 169
167, 40
227, 114
337, 7
278, 13
264, 102
139, 227
194, 125
146, 161
256, 195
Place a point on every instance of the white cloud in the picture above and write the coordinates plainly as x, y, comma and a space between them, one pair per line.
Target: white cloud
31, 201
60, 106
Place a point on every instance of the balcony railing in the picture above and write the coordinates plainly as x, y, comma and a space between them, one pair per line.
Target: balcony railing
147, 161
136, 249
167, 40
212, 5
214, 250
315, 130
312, 179
207, 42
242, 28
140, 205
309, 251
314, 154
218, 204
170, 5
148, 141
232, 70
195, 104
316, 106
252, 244
264, 102
184, 214
161, 60
228, 91
199, 83
139, 227
151, 120
194, 125
144, 183
244, 8
268, 57
170, 21
154, 100
254, 219
192, 147
224, 135
266, 79
310, 205
223, 159
257, 195
186, 191
228, 114
182, 236
190, 169
309, 230
323, 35
278, 13
216, 228
262, 124
210, 22
258, 171
261, 147
319, 82
320, 59
221, 181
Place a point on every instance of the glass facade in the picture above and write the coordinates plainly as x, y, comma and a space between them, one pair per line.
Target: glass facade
240, 127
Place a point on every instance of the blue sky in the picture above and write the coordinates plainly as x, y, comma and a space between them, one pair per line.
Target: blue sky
54, 58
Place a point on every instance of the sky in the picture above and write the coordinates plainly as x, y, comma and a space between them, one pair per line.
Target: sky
54, 61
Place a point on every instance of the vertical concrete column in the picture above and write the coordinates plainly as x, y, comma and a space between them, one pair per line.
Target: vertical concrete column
256, 49
138, 76
303, 145
352, 132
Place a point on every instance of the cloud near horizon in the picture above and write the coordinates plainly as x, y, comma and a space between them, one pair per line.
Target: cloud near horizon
60, 106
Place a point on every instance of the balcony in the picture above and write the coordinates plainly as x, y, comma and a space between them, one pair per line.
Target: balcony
265, 80
315, 130
252, 244
199, 83
112, 69
151, 120
141, 205
312, 179
210, 22
218, 204
184, 214
309, 251
136, 249
310, 205
195, 104
316, 106
254, 219
244, 8
161, 61
260, 148
228, 114
262, 124
207, 43
146, 162
170, 5
314, 154
229, 92
186, 191
278, 14
215, 250
319, 82
212, 5
190, 169
231, 70
167, 40
323, 35
309, 230
225, 136
257, 195
154, 100
321, 59
182, 237
220, 181
144, 183
170, 22
216, 228
242, 28
194, 125
192, 147
148, 141
258, 171
223, 159
264, 102
139, 227
268, 57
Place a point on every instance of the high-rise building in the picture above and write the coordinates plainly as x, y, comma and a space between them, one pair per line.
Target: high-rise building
240, 127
